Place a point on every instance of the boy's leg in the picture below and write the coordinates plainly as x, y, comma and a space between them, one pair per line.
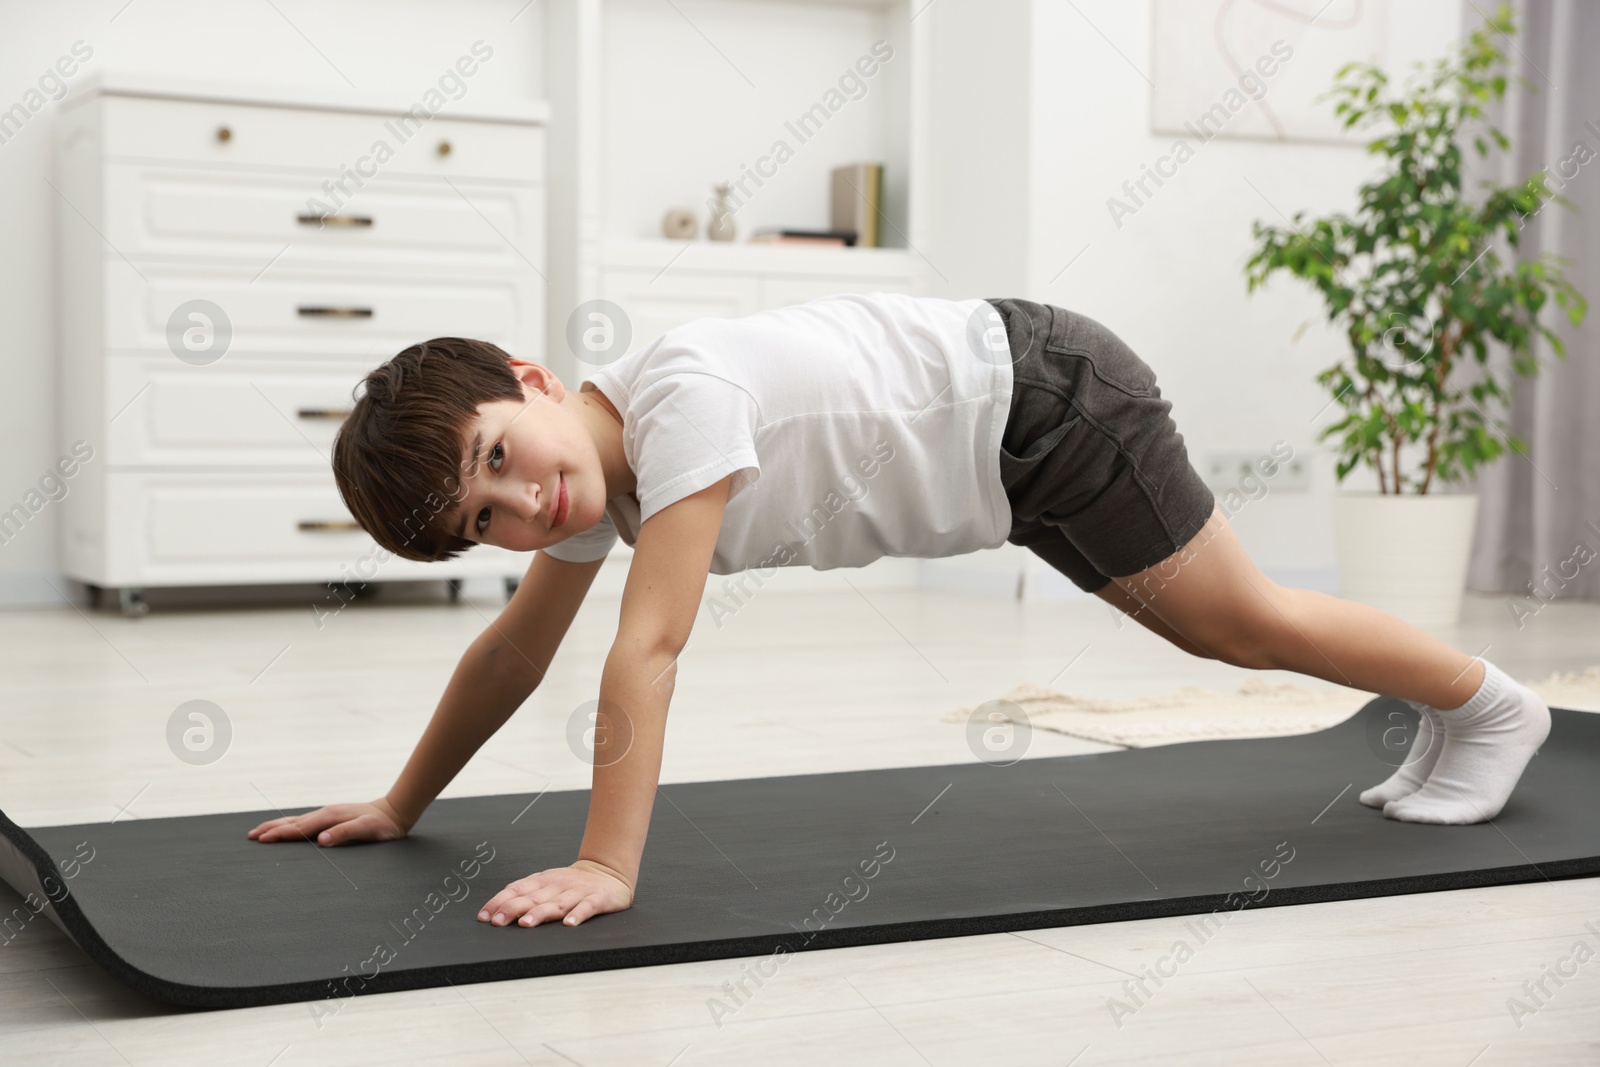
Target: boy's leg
1406, 779
1090, 448
1128, 604
1050, 544
1214, 596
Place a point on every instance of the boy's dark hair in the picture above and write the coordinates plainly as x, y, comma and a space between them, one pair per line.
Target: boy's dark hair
397, 458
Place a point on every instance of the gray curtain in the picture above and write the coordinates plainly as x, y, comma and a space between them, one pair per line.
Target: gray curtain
1538, 529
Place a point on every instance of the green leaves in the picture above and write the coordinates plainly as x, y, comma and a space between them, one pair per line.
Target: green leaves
1414, 279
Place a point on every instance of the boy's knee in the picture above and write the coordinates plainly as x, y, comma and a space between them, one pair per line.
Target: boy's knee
1246, 652
1250, 641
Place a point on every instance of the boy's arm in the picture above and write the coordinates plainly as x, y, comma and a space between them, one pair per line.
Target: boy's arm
495, 675
671, 558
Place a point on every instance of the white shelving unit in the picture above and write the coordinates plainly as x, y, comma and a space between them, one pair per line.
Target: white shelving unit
187, 204
615, 68
546, 206
664, 284
633, 134
653, 103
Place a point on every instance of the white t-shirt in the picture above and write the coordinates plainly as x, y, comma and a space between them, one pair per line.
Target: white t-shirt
856, 426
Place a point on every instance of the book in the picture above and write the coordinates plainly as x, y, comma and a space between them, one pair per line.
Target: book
857, 201
807, 237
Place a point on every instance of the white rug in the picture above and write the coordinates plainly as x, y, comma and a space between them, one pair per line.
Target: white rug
1256, 709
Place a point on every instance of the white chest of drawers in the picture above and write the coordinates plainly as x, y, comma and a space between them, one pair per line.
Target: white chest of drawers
312, 263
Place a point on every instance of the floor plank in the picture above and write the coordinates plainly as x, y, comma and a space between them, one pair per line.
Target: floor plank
796, 682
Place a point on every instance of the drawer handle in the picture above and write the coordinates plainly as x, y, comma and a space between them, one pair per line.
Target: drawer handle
334, 220
335, 313
322, 413
324, 524
444, 148
224, 134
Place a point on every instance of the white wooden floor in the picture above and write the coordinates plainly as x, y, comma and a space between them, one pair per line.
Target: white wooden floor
795, 682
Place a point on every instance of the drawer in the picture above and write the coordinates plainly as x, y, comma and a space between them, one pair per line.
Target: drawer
233, 413
245, 527
344, 147
325, 314
256, 216
231, 518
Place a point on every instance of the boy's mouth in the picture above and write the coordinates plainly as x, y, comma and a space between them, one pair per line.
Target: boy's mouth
559, 515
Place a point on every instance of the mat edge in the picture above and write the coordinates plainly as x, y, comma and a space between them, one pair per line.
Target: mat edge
142, 982
69, 916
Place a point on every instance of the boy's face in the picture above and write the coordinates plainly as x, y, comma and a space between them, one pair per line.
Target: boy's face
536, 478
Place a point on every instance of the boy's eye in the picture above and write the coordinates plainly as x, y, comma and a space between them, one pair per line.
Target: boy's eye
496, 458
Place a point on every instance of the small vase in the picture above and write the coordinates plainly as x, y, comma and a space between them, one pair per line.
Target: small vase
720, 226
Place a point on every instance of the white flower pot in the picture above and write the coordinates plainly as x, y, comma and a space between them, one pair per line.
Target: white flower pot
1405, 554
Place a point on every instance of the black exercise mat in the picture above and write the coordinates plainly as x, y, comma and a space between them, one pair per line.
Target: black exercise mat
189, 910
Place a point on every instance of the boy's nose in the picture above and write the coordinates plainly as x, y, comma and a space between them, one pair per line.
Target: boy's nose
528, 504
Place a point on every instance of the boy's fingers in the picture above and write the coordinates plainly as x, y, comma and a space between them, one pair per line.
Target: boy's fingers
546, 893
552, 908
503, 904
298, 827
521, 887
362, 828
511, 910
285, 830
270, 824
335, 824
536, 899
294, 830
584, 908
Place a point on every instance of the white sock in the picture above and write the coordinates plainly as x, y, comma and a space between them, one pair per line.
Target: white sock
1488, 741
1420, 758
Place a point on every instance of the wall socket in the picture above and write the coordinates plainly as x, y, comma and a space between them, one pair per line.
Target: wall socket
1240, 470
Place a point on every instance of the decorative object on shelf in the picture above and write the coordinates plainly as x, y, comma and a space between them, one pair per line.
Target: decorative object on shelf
720, 226
679, 224
857, 201
1417, 285
777, 236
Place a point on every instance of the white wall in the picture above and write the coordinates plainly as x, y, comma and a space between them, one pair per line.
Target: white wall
398, 45
697, 91
1017, 183
1170, 279
973, 210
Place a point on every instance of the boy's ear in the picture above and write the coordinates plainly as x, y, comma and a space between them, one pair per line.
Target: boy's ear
538, 377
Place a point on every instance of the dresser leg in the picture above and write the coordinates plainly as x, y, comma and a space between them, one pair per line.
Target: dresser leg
131, 599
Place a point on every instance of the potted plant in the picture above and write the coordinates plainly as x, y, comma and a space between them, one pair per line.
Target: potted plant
1415, 282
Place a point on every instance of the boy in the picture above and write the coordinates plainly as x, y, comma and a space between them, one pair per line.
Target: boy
829, 434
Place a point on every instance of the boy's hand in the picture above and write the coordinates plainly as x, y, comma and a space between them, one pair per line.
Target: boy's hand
586, 888
335, 824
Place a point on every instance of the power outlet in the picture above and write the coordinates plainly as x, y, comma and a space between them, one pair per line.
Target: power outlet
1244, 470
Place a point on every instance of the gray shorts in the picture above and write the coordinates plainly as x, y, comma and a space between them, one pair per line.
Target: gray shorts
1099, 482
